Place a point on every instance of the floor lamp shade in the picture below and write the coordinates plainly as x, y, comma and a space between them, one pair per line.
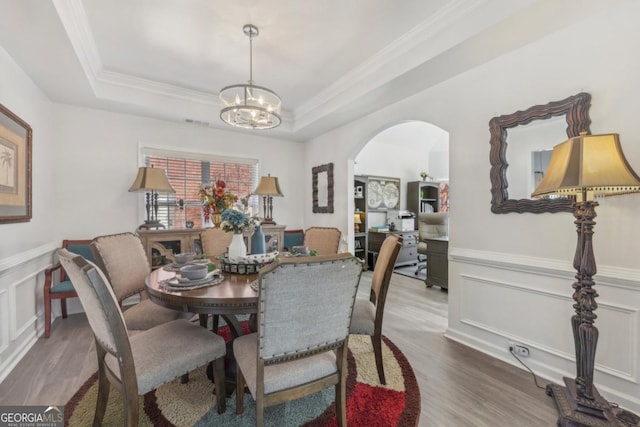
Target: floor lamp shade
152, 180
593, 164
268, 187
586, 166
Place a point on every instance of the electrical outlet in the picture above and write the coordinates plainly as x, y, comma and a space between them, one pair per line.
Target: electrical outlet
518, 349
522, 350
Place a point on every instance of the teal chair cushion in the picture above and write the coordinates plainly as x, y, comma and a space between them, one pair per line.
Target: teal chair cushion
293, 239
83, 250
66, 286
62, 287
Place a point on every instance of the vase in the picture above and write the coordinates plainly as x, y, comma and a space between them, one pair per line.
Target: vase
206, 222
217, 219
257, 241
237, 248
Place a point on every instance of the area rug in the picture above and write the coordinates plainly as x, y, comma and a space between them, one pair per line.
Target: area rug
368, 402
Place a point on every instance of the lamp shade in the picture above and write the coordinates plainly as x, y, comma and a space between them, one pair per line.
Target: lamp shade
585, 164
268, 186
356, 219
151, 179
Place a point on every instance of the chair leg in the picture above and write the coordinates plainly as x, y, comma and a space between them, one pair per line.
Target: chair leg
239, 391
376, 340
259, 411
219, 379
131, 405
341, 396
103, 396
47, 315
63, 305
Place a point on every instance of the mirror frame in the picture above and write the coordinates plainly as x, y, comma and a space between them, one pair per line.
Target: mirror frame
315, 171
576, 111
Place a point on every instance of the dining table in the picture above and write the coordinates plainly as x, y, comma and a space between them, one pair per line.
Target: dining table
231, 297
227, 298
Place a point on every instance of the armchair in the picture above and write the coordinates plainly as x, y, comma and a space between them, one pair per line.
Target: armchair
63, 289
430, 225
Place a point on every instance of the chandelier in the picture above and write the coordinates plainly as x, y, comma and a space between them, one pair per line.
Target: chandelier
247, 105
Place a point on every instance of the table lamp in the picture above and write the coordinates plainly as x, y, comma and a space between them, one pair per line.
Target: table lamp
268, 188
151, 180
585, 167
356, 222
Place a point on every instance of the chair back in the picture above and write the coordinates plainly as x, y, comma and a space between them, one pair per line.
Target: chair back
432, 225
305, 305
383, 270
79, 247
124, 261
323, 240
98, 301
215, 242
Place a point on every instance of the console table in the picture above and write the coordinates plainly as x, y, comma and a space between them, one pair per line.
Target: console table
163, 243
437, 262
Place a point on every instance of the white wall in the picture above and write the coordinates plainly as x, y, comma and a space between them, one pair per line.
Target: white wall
98, 159
510, 275
25, 247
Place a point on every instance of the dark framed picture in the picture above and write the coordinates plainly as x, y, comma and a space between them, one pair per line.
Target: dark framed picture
15, 168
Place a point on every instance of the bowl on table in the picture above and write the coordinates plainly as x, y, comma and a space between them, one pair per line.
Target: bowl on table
185, 257
194, 271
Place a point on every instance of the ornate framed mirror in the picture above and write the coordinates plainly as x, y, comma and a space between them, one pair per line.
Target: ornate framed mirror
322, 181
575, 109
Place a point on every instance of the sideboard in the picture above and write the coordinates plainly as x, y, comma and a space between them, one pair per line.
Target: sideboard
161, 245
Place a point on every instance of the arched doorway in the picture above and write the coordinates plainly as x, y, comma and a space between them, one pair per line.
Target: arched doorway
400, 151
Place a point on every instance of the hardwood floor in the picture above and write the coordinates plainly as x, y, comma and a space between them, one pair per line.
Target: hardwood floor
458, 385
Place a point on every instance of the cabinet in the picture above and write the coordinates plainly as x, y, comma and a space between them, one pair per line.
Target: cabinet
408, 254
437, 262
161, 245
426, 196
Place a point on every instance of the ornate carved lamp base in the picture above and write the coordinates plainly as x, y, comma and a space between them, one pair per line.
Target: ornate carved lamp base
579, 412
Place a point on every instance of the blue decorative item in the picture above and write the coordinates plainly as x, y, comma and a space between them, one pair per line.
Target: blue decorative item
257, 241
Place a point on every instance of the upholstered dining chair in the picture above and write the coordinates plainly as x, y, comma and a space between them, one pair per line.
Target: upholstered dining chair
63, 289
138, 364
300, 347
323, 240
430, 225
123, 260
215, 242
368, 313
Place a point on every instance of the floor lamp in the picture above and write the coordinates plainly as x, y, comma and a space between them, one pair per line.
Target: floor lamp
151, 180
268, 188
585, 167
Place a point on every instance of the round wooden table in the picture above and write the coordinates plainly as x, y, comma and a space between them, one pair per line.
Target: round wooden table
231, 297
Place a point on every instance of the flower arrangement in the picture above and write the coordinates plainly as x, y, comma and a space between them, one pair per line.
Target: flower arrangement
215, 198
236, 221
425, 175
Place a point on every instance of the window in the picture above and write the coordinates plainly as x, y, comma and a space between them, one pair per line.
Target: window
188, 171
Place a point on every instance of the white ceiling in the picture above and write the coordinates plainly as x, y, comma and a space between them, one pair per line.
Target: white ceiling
331, 61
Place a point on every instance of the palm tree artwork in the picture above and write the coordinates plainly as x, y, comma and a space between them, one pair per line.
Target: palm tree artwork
6, 166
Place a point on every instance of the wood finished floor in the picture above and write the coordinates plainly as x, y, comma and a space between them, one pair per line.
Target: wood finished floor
458, 385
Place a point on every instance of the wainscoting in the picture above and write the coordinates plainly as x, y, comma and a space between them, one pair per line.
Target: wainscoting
498, 298
21, 303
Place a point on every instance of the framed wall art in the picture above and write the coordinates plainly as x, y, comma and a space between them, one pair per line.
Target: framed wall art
15, 168
383, 193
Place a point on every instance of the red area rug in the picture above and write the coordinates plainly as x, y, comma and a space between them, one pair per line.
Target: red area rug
368, 402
